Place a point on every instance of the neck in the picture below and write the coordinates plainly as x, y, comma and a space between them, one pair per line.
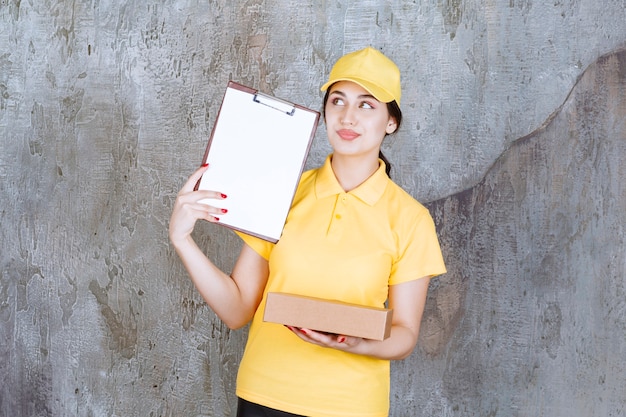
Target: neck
352, 171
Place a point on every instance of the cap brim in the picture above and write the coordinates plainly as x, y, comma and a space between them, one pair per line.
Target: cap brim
379, 94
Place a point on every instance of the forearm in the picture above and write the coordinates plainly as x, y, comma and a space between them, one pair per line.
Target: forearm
407, 301
218, 289
233, 298
398, 345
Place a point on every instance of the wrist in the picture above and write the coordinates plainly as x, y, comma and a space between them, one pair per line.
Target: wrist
180, 242
362, 347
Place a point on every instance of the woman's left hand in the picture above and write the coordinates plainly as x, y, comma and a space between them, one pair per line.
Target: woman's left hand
330, 340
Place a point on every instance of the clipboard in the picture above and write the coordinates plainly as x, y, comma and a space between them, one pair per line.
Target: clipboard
256, 154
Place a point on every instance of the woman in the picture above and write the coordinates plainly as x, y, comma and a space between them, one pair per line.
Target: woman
351, 235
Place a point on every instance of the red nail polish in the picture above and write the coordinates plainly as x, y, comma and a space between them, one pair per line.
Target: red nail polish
341, 339
223, 195
205, 165
217, 219
303, 331
224, 211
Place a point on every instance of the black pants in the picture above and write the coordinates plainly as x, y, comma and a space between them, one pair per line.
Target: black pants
248, 409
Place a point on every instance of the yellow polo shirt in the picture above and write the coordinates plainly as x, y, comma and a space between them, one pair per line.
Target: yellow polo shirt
340, 246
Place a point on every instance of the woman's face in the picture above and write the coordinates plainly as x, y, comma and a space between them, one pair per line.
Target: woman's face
356, 122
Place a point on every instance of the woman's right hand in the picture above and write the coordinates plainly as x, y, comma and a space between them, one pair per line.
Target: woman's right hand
188, 208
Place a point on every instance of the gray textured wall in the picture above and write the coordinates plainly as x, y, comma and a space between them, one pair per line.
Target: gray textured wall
515, 136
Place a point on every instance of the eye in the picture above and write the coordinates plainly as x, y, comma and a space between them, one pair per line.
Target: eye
337, 101
367, 105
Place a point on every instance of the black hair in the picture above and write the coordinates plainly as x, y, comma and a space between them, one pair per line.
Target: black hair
394, 111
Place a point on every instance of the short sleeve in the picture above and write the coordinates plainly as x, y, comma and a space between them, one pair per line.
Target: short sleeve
260, 246
419, 251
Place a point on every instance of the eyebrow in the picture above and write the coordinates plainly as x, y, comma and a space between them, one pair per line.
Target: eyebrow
361, 96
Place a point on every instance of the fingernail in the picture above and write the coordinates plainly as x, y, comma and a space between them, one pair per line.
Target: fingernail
205, 165
224, 211
223, 195
341, 339
303, 331
217, 219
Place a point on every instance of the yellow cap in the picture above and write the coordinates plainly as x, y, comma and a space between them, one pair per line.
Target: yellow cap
370, 69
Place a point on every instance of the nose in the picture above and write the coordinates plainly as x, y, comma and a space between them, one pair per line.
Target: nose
348, 116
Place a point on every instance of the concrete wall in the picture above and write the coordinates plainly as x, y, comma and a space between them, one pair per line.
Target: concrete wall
515, 136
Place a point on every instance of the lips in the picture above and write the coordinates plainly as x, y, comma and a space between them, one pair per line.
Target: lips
347, 134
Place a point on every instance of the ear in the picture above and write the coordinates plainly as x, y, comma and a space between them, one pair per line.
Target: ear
392, 125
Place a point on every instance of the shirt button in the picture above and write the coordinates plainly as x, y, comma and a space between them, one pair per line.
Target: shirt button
337, 216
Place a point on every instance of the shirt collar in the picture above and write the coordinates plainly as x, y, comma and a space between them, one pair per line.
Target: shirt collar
370, 191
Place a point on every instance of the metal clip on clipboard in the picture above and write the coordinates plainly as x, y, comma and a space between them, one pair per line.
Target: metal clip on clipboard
275, 103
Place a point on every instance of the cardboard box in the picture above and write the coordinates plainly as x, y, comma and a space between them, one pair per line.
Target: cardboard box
328, 316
